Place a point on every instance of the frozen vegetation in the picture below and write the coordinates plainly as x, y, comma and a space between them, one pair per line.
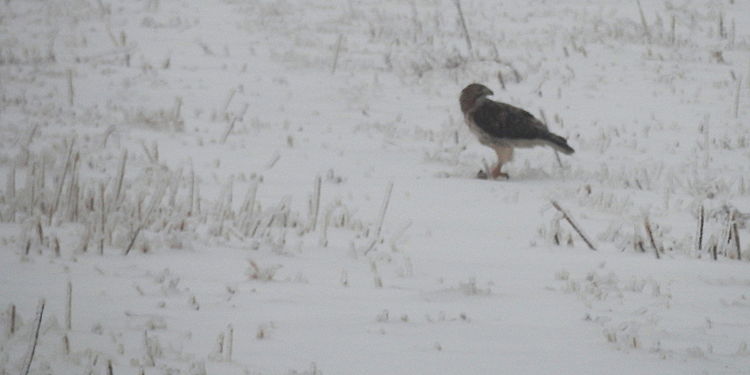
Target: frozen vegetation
287, 187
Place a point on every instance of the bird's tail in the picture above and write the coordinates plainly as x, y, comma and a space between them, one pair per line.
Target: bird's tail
559, 143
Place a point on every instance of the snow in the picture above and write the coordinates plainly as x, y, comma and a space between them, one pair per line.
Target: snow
256, 196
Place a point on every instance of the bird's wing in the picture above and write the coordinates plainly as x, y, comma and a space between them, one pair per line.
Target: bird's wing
502, 120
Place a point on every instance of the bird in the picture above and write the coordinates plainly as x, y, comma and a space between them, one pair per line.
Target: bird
504, 127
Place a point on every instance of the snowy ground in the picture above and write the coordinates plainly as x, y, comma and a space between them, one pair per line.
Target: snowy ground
294, 188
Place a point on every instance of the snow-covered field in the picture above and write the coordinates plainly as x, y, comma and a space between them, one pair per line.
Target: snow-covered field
287, 187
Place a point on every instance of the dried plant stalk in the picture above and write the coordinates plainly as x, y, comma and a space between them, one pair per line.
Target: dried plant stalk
62, 181
69, 306
381, 218
559, 161
132, 239
643, 21
230, 127
56, 247
40, 231
232, 92
74, 189
336, 53
737, 247
501, 79
102, 219
572, 223
155, 200
66, 344
672, 36
737, 98
71, 90
734, 234
35, 337
10, 189
120, 177
650, 234
384, 208
248, 208
737, 241
463, 26
316, 202
12, 319
714, 251
701, 222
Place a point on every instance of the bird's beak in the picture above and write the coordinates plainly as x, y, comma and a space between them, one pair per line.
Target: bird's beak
489, 92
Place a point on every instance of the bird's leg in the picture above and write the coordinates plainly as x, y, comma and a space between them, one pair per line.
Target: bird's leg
504, 155
495, 172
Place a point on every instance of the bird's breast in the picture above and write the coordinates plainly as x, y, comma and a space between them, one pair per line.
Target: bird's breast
483, 137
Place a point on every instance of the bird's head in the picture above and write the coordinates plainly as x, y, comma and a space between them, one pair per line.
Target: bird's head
471, 93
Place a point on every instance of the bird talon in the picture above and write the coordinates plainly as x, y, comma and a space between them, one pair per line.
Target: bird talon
498, 174
493, 175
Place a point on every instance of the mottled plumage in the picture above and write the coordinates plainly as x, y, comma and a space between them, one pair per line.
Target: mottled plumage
504, 127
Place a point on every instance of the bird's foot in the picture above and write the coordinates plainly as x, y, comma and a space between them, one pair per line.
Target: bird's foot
501, 174
482, 175
495, 172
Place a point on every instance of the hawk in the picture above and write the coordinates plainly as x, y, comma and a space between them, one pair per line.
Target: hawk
504, 127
